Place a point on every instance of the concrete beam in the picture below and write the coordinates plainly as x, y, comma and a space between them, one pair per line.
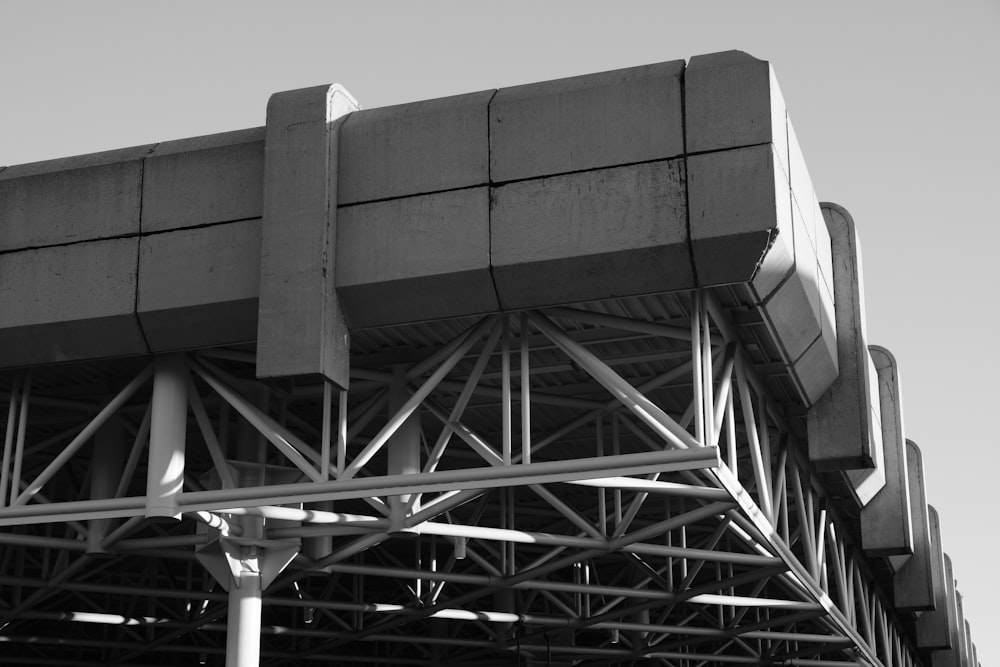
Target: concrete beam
198, 287
886, 523
69, 302
301, 330
913, 583
415, 258
587, 122
591, 235
844, 431
71, 199
203, 180
415, 148
732, 99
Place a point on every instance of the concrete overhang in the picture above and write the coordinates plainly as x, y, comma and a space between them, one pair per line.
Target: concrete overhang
652, 179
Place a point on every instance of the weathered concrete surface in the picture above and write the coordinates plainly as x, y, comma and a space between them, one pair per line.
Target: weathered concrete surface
69, 302
732, 99
613, 232
415, 148
203, 180
198, 287
71, 199
913, 583
886, 523
739, 200
414, 258
587, 122
301, 329
843, 432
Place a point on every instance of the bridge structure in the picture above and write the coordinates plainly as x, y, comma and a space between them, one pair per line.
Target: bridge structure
569, 373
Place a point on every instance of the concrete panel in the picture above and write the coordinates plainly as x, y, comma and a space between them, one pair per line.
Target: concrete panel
198, 287
414, 148
840, 423
591, 235
866, 482
739, 203
587, 122
69, 302
886, 522
300, 328
203, 180
415, 258
913, 583
732, 99
71, 199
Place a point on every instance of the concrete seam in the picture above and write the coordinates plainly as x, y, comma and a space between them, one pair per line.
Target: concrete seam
490, 199
138, 251
687, 178
588, 170
411, 195
125, 236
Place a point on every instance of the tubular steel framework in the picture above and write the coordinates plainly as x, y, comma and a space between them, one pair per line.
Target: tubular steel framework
616, 483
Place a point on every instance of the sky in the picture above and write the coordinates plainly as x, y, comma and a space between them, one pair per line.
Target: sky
895, 104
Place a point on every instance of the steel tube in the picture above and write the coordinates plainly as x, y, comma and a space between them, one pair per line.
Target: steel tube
243, 623
83, 436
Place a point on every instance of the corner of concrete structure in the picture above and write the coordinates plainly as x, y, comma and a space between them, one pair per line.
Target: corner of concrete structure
301, 329
732, 99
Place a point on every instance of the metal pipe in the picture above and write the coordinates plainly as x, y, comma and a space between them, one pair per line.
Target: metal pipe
168, 429
9, 441
407, 409
22, 425
243, 622
83, 436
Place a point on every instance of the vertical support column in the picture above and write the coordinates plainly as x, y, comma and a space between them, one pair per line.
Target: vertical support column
403, 446
243, 628
165, 477
300, 327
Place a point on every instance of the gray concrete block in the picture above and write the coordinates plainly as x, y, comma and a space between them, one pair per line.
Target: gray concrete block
203, 180
414, 148
591, 235
587, 122
933, 628
198, 287
913, 583
886, 521
68, 303
71, 199
300, 327
732, 99
840, 423
739, 202
415, 258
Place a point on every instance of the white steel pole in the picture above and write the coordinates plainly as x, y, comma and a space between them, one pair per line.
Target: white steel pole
165, 479
243, 623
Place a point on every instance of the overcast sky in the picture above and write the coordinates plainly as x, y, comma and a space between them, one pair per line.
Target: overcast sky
896, 106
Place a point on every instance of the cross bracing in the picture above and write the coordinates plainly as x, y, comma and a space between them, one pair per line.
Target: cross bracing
642, 495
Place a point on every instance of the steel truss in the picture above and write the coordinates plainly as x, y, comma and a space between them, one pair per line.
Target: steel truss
608, 484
